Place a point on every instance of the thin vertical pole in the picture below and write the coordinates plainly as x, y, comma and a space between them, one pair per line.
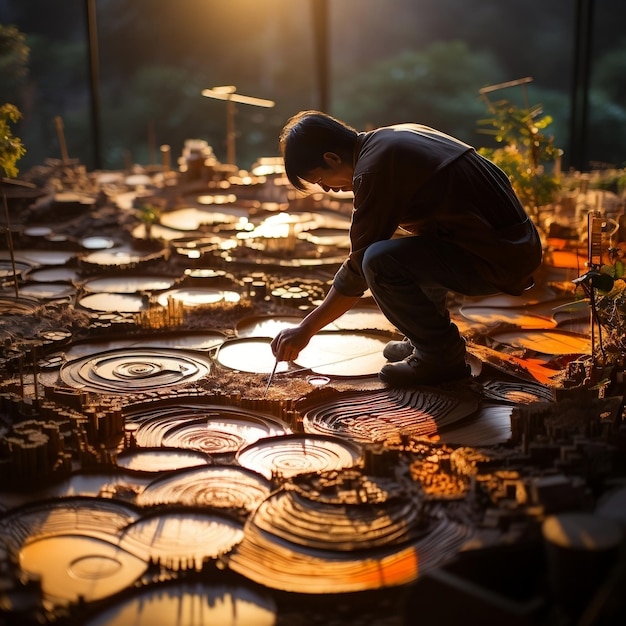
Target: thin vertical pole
10, 238
94, 80
321, 34
231, 133
579, 105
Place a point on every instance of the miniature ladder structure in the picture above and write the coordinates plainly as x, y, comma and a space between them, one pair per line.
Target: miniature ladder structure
594, 278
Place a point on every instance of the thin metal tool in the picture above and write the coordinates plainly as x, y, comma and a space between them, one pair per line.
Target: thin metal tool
329, 363
269, 380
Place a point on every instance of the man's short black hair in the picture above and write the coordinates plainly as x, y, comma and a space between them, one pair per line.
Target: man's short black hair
306, 137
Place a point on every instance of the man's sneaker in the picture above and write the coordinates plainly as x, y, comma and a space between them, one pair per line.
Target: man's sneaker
412, 372
398, 350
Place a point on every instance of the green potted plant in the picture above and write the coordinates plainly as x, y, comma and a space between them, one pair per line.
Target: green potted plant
525, 154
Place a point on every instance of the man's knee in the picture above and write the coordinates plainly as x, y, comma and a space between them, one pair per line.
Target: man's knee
396, 258
375, 259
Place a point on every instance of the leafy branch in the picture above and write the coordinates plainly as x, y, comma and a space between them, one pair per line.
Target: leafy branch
525, 153
11, 148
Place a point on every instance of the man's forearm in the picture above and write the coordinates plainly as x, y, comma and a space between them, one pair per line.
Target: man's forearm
290, 341
334, 306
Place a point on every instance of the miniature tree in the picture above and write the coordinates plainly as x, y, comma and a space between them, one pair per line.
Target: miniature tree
149, 213
11, 150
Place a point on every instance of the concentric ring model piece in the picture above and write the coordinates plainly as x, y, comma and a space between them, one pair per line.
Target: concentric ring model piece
222, 487
298, 543
135, 370
209, 428
291, 455
378, 416
181, 536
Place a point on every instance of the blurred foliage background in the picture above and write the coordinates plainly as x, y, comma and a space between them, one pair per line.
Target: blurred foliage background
390, 61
